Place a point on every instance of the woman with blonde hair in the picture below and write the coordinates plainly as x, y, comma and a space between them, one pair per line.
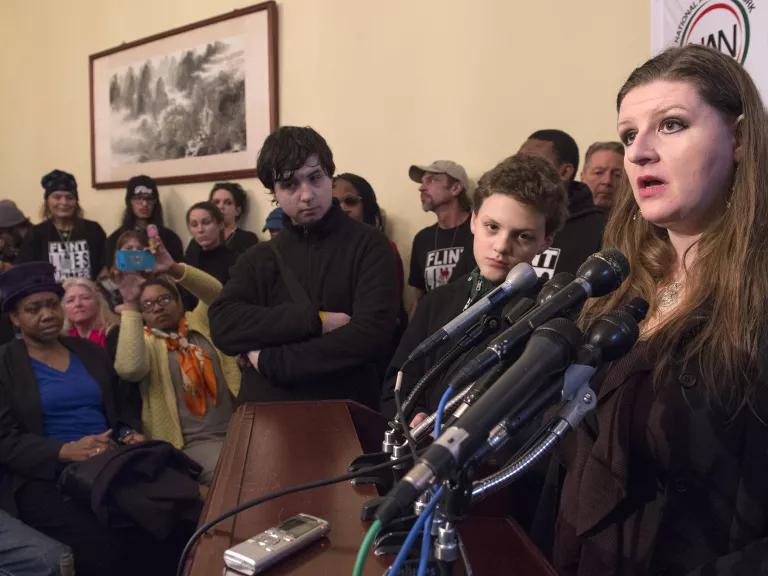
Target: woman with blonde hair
86, 311
670, 477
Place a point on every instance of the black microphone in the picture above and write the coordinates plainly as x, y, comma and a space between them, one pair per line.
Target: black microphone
612, 335
553, 286
515, 312
549, 351
519, 279
599, 275
609, 338
637, 307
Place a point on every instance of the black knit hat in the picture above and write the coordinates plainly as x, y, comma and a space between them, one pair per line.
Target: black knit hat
140, 186
59, 181
26, 279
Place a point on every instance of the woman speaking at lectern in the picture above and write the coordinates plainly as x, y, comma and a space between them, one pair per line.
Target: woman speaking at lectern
671, 476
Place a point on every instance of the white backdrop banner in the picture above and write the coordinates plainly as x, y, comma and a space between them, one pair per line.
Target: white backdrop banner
738, 28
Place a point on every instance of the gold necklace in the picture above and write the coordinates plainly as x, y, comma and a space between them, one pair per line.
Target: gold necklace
670, 294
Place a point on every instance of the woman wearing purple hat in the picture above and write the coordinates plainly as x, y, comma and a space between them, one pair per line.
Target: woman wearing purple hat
58, 404
72, 244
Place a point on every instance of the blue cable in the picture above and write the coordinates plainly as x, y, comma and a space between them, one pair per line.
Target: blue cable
427, 535
425, 518
441, 408
426, 538
415, 529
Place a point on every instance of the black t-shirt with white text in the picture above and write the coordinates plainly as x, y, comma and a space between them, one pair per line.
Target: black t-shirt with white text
79, 254
441, 255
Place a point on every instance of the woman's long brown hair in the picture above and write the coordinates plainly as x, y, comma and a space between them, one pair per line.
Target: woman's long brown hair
721, 319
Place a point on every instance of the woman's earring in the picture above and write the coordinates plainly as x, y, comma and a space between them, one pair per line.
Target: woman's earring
636, 214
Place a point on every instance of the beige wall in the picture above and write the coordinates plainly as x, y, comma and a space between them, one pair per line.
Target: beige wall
387, 83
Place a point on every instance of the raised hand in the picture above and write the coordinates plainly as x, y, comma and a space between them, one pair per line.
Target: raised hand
163, 260
129, 285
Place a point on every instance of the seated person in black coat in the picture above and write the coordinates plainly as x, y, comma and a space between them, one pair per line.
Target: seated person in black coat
58, 405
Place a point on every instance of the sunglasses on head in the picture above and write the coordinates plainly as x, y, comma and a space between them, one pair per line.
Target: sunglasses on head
350, 201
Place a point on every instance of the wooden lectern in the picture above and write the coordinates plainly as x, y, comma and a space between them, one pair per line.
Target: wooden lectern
271, 446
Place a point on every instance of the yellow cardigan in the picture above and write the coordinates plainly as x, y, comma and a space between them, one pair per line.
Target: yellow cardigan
144, 358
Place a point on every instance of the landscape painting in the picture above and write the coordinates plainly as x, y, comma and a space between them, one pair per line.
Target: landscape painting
188, 105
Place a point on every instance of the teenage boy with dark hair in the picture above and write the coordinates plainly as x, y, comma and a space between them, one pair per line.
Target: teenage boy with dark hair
314, 308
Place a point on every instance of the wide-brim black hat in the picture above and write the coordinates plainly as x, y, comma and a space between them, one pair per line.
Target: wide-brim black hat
26, 279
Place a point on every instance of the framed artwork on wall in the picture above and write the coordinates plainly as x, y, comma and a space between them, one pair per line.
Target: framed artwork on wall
192, 104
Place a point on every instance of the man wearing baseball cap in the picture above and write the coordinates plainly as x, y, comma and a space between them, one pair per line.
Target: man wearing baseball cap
274, 223
443, 251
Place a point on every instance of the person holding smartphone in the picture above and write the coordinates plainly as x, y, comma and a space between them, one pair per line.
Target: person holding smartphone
187, 386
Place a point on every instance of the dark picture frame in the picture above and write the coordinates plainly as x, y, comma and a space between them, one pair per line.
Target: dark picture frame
193, 104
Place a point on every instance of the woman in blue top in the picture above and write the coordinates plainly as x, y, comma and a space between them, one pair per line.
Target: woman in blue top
59, 403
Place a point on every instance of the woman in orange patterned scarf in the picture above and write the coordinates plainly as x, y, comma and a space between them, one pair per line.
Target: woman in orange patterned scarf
187, 385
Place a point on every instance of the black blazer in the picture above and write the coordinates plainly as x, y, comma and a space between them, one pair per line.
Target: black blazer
26, 454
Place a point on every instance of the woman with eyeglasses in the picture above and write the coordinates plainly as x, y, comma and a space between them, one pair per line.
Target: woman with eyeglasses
142, 208
187, 386
358, 201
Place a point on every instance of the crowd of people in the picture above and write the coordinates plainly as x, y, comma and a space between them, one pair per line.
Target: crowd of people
668, 477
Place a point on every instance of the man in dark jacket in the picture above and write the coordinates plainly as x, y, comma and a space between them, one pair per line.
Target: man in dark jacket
582, 234
315, 307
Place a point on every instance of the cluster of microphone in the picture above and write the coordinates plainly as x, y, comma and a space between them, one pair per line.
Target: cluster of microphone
514, 374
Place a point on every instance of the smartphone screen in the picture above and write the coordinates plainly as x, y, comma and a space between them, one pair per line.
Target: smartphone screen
134, 260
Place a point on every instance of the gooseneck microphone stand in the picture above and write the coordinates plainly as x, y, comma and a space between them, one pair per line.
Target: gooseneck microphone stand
609, 338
